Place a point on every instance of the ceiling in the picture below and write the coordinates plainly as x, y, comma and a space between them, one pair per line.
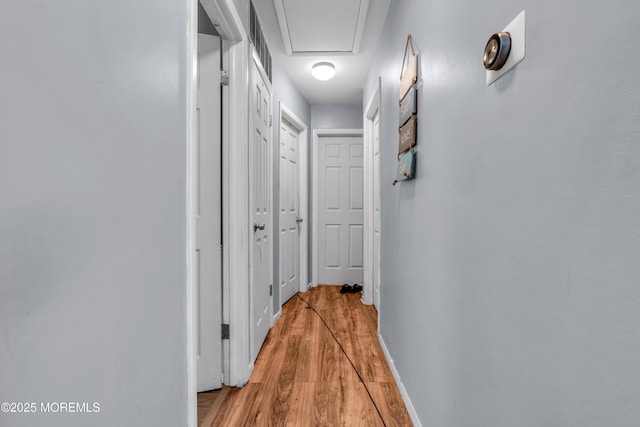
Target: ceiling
300, 33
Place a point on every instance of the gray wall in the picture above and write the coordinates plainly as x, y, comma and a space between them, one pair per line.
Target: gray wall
510, 273
283, 91
92, 211
326, 116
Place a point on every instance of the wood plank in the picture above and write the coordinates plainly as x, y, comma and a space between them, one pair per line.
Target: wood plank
301, 409
302, 378
266, 365
205, 401
391, 405
209, 403
237, 408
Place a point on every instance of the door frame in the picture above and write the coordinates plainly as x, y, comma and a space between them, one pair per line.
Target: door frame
373, 106
236, 215
303, 197
317, 134
209, 179
235, 210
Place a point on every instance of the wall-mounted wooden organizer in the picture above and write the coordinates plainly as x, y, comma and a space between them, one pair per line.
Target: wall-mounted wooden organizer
407, 117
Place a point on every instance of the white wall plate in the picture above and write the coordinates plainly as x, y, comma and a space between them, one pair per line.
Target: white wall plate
516, 30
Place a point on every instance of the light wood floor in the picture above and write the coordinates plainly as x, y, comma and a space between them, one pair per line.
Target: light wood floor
209, 403
302, 378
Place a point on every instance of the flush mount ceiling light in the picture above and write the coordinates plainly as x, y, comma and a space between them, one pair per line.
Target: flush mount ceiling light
323, 70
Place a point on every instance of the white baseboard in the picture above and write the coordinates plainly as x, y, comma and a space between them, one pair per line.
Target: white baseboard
276, 316
250, 371
403, 391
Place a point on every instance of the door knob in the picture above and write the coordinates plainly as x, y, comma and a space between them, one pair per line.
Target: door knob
299, 220
257, 227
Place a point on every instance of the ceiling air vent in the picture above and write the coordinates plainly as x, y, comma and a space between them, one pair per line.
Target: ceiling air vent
321, 26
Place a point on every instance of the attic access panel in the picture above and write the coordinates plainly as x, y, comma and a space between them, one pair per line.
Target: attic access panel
327, 26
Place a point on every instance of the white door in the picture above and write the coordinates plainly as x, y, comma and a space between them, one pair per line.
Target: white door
208, 215
376, 209
289, 212
340, 209
260, 199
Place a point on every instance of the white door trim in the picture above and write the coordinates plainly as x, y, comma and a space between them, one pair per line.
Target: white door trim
224, 18
236, 215
235, 181
373, 106
301, 127
191, 297
209, 215
318, 133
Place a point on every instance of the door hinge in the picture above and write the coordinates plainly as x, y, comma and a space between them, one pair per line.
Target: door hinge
225, 331
224, 78
270, 290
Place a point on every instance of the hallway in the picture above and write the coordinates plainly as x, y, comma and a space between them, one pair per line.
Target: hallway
302, 378
505, 272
